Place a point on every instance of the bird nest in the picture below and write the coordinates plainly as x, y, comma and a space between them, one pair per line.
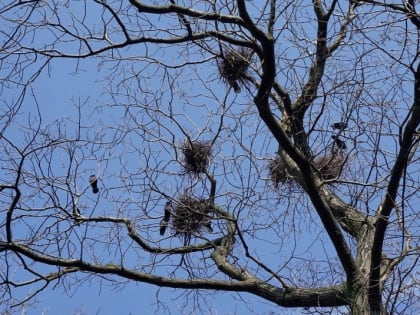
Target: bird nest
330, 166
278, 171
196, 156
191, 215
233, 67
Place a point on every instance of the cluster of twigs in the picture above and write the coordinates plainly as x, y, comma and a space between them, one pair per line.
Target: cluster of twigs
190, 216
233, 67
278, 172
330, 167
196, 156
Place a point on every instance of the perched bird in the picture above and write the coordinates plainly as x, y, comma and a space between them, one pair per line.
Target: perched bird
93, 181
76, 211
77, 217
339, 143
236, 87
207, 224
339, 125
167, 215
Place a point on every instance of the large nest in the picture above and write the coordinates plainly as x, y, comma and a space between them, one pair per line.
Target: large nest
278, 172
196, 156
330, 166
190, 215
233, 67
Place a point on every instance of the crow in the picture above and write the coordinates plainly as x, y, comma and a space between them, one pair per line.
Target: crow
93, 181
207, 224
236, 87
167, 215
340, 143
339, 125
77, 217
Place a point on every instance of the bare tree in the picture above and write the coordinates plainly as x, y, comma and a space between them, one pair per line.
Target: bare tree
282, 137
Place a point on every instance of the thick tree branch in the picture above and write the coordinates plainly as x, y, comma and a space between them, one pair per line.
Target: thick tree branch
292, 297
317, 69
141, 40
350, 218
172, 8
384, 211
311, 183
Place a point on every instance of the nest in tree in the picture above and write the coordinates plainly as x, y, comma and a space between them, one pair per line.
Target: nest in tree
233, 67
190, 215
278, 172
196, 156
330, 166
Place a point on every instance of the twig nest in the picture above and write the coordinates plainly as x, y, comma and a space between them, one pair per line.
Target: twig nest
190, 215
278, 172
196, 156
330, 166
233, 67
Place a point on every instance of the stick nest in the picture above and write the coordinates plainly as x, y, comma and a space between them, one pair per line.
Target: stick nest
196, 156
278, 172
190, 215
330, 166
233, 67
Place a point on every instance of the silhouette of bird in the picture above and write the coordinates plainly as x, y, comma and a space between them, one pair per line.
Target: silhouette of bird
93, 181
339, 125
167, 215
339, 143
236, 87
77, 217
207, 224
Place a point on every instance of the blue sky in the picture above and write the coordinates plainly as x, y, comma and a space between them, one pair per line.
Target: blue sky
56, 92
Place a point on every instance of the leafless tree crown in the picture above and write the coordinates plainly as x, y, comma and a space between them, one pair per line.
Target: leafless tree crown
263, 147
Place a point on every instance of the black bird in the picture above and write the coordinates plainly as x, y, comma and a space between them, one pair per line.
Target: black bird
236, 87
93, 181
77, 217
207, 224
167, 215
339, 125
339, 143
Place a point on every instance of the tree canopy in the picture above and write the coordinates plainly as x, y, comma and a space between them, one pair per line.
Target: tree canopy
258, 147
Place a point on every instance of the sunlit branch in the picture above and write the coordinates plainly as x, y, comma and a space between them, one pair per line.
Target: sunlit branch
172, 8
290, 297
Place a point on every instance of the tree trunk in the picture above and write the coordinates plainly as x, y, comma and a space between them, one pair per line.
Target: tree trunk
359, 286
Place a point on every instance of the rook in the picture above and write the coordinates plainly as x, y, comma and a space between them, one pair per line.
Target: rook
93, 181
340, 143
165, 221
339, 125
